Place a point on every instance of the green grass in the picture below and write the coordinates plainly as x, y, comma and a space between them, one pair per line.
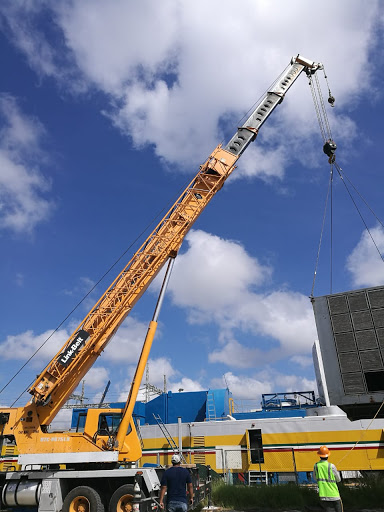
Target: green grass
365, 495
263, 496
368, 494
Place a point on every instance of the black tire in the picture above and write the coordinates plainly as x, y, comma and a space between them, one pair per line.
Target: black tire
85, 496
122, 498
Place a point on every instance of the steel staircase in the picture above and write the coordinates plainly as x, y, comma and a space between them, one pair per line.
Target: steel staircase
168, 437
211, 409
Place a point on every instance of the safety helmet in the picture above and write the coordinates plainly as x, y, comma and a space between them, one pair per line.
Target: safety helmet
176, 459
323, 451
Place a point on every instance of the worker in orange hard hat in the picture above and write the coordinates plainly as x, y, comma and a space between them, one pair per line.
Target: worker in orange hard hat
327, 476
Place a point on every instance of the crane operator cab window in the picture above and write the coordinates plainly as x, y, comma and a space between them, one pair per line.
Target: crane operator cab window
80, 424
108, 423
103, 425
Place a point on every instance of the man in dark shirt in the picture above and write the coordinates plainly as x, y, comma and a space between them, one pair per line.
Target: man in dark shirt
175, 482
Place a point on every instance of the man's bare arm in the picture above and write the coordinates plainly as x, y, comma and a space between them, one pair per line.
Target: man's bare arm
162, 493
190, 492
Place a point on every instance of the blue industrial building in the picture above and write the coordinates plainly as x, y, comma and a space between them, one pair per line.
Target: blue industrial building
214, 404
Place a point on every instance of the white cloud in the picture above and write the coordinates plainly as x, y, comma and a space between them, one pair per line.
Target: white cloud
263, 162
97, 378
117, 43
23, 188
19, 133
364, 263
238, 356
127, 343
22, 346
283, 315
173, 77
158, 368
291, 383
303, 361
214, 273
250, 388
215, 280
245, 388
185, 384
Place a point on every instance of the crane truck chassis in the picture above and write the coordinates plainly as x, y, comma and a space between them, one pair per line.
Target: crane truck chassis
100, 472
119, 490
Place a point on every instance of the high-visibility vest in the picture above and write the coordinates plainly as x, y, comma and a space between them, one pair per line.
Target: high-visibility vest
326, 480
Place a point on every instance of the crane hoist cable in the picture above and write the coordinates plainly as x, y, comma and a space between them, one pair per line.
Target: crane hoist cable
339, 170
346, 179
329, 146
329, 149
362, 434
322, 229
347, 185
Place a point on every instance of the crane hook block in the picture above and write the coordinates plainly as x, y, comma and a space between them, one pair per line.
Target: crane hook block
329, 149
331, 100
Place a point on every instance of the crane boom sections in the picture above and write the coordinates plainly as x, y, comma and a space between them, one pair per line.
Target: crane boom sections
62, 375
247, 132
60, 378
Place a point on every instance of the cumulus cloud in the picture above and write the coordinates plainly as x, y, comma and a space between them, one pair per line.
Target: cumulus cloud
214, 273
216, 280
22, 346
127, 343
247, 390
23, 187
303, 361
265, 163
158, 369
185, 384
238, 356
365, 263
97, 377
177, 75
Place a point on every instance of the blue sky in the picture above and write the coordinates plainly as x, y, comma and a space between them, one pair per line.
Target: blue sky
106, 112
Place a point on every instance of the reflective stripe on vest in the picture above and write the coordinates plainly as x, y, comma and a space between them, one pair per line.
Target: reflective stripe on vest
326, 480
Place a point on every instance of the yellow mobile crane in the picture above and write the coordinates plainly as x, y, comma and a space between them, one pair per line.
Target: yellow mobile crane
92, 455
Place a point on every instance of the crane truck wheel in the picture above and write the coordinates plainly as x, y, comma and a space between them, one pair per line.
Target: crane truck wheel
122, 499
83, 499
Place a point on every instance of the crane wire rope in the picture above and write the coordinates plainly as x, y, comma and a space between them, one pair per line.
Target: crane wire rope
331, 235
323, 110
118, 259
326, 135
317, 108
322, 231
362, 434
339, 170
359, 194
